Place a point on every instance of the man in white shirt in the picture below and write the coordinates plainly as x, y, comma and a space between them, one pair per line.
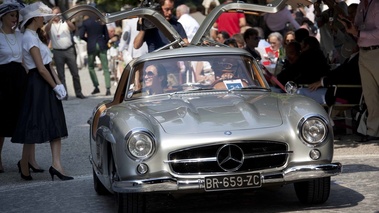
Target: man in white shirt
190, 25
126, 42
64, 50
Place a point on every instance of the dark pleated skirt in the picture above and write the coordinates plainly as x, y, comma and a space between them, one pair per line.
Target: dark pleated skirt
12, 85
42, 118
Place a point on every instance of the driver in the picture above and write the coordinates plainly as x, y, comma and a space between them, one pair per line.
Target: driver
224, 68
155, 79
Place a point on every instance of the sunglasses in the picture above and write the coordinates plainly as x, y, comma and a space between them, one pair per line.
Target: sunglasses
290, 40
225, 65
149, 74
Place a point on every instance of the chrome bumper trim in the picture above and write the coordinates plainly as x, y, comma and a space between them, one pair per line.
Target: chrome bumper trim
297, 173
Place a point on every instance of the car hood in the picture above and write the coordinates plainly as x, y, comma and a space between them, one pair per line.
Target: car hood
211, 113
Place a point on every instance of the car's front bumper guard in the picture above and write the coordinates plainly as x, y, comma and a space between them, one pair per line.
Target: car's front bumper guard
292, 174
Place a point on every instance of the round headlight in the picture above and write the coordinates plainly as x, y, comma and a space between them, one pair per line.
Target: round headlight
140, 145
313, 130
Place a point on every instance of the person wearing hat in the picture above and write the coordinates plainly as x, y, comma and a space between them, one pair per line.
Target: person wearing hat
12, 75
42, 118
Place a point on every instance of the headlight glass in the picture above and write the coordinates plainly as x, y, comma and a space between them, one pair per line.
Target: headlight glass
140, 145
314, 130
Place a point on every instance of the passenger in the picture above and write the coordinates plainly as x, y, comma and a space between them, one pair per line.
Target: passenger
155, 79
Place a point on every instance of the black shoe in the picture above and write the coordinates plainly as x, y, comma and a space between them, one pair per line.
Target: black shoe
53, 172
81, 96
19, 167
25, 177
35, 169
29, 177
95, 91
367, 138
108, 92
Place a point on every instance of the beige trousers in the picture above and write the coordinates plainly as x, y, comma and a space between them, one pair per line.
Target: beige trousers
369, 70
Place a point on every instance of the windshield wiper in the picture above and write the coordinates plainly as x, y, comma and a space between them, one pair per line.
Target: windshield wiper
248, 87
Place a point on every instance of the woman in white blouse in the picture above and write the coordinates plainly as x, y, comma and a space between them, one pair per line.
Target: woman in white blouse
12, 76
42, 117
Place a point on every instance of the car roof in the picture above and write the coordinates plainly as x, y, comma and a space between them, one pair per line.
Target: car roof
193, 51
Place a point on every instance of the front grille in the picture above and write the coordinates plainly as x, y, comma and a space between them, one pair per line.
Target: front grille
257, 155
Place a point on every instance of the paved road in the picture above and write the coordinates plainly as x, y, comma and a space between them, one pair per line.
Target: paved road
355, 190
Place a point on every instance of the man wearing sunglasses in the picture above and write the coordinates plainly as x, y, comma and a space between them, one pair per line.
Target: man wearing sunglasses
155, 79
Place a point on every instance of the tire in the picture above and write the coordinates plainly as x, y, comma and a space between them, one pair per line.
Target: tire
98, 186
130, 202
314, 191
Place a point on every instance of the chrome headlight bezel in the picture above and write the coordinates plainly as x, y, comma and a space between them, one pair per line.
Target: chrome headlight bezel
313, 130
140, 144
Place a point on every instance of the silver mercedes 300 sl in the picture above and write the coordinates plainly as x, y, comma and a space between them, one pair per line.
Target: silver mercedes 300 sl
203, 117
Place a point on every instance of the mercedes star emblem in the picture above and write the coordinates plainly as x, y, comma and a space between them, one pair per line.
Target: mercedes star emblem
230, 157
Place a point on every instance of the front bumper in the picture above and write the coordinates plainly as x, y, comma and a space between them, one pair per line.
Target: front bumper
293, 174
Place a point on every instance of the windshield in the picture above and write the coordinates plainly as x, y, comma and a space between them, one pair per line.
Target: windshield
185, 74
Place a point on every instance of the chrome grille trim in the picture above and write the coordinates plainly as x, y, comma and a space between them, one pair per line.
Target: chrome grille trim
239, 156
194, 160
267, 155
213, 159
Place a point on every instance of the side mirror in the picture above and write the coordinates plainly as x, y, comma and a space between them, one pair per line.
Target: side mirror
291, 87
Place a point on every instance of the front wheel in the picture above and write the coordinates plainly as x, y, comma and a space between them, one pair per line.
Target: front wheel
98, 186
313, 191
130, 202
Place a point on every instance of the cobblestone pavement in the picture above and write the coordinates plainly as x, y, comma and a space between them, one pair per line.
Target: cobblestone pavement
355, 190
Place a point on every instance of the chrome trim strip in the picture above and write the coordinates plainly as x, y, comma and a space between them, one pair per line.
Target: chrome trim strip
212, 159
297, 173
191, 160
267, 155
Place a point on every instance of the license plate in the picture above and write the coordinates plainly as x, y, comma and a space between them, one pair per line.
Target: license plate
232, 182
